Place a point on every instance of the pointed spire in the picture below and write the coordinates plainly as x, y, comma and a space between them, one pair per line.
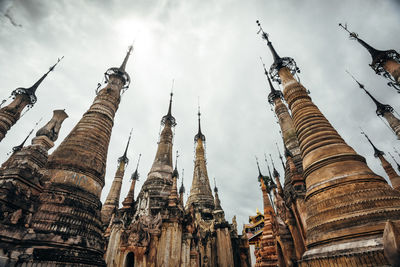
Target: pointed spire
279, 62
128, 53
182, 188
354, 36
266, 161
199, 134
217, 201
124, 157
274, 94
215, 186
377, 152
18, 148
169, 118
381, 109
280, 157
398, 166
135, 174
31, 90
175, 172
260, 176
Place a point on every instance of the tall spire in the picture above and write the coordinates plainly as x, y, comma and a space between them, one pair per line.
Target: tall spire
124, 157
332, 167
280, 156
169, 118
377, 152
182, 188
274, 94
200, 192
120, 72
278, 61
18, 148
217, 201
277, 177
173, 195
111, 203
30, 92
23, 97
385, 63
199, 134
130, 197
381, 109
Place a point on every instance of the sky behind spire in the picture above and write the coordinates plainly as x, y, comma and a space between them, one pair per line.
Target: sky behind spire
212, 50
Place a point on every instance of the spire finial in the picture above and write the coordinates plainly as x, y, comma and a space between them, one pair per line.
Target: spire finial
266, 161
280, 156
278, 61
199, 134
31, 90
274, 94
124, 157
182, 188
377, 152
258, 167
18, 148
381, 109
169, 118
175, 172
128, 53
135, 174
398, 166
354, 36
275, 172
215, 186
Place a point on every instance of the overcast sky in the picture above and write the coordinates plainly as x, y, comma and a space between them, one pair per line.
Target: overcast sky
212, 51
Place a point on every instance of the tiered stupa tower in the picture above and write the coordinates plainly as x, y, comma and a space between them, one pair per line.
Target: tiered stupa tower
159, 180
383, 110
129, 200
347, 204
23, 97
200, 192
111, 204
385, 63
66, 229
391, 173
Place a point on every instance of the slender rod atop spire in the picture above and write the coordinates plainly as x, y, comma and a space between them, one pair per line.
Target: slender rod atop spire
258, 167
124, 156
271, 47
128, 53
215, 186
266, 161
135, 174
199, 134
169, 118
377, 152
280, 156
18, 148
266, 74
381, 108
354, 35
170, 99
275, 172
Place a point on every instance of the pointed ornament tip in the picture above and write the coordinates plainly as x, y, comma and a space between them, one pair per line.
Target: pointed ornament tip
377, 152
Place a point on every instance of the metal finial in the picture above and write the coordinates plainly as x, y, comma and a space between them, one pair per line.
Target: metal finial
258, 166
381, 109
169, 118
199, 134
182, 188
215, 186
266, 160
175, 172
135, 175
353, 35
124, 156
275, 172
377, 152
261, 30
18, 148
280, 156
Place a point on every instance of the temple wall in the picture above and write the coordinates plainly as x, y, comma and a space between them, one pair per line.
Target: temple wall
170, 244
224, 248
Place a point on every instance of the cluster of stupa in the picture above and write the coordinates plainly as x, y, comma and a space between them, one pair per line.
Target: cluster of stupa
50, 209
332, 210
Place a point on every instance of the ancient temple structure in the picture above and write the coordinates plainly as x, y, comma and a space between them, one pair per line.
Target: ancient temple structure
346, 204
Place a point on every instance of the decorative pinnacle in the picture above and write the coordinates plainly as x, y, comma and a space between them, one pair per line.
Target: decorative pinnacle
31, 90
18, 148
128, 53
280, 156
354, 36
182, 188
398, 166
266, 161
274, 94
124, 157
271, 47
135, 175
215, 186
169, 118
275, 172
175, 172
199, 134
377, 152
381, 109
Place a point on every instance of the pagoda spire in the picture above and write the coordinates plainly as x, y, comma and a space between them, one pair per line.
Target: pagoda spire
75, 173
159, 179
130, 197
23, 97
199, 134
280, 157
274, 94
268, 253
279, 62
391, 173
383, 110
217, 201
332, 167
120, 72
200, 191
111, 203
385, 63
173, 196
181, 188
277, 177
19, 147
128, 53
